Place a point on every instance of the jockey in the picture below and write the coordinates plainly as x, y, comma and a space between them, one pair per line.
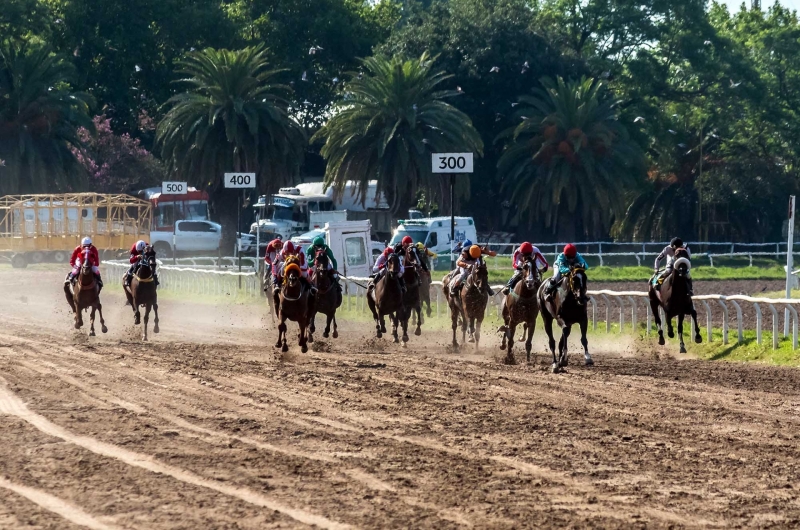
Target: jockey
567, 259
379, 269
525, 250
407, 246
290, 250
426, 254
669, 253
85, 248
137, 250
469, 255
319, 245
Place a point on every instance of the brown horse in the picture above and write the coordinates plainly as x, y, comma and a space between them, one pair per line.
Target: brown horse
567, 309
424, 298
411, 298
674, 298
468, 305
142, 291
521, 306
328, 298
85, 294
385, 297
294, 303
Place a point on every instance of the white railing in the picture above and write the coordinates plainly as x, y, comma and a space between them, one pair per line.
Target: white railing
238, 285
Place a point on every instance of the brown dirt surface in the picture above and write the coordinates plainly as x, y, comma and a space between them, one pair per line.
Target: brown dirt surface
208, 427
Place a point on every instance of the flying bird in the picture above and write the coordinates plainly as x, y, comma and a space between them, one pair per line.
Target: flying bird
672, 132
494, 70
734, 85
638, 119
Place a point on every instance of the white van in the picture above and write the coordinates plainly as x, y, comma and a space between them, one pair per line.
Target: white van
434, 232
350, 243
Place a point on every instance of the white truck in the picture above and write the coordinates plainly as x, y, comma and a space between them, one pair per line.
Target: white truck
289, 212
434, 233
188, 237
351, 245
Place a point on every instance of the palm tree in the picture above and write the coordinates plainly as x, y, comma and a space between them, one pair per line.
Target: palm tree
39, 120
233, 117
387, 123
569, 162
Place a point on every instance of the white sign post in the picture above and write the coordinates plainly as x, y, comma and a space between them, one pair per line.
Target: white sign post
789, 262
452, 163
240, 181
174, 188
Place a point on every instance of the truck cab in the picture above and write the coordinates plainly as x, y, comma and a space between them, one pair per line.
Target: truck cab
434, 233
287, 213
351, 245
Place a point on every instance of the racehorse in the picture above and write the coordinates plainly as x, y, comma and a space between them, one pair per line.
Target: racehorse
424, 294
411, 298
521, 306
674, 298
295, 303
328, 298
386, 298
142, 291
85, 294
267, 288
473, 301
567, 309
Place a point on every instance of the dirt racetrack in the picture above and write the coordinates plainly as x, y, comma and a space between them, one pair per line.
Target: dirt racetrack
206, 427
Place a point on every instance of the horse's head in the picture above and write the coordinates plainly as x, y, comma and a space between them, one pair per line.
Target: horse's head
321, 260
479, 274
392, 265
291, 272
530, 273
682, 265
576, 280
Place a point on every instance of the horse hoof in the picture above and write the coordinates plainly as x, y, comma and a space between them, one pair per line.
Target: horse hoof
698, 339
503, 346
155, 329
404, 345
104, 329
284, 348
383, 329
418, 332
304, 348
429, 313
380, 335
335, 334
405, 337
278, 344
144, 339
661, 341
396, 340
325, 334
555, 368
92, 334
137, 321
670, 334
471, 339
683, 349
589, 362
77, 326
311, 338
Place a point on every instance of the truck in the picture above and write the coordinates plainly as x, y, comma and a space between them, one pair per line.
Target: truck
288, 212
434, 233
350, 242
47, 227
181, 223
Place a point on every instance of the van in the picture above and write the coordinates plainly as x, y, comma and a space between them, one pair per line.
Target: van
350, 243
434, 232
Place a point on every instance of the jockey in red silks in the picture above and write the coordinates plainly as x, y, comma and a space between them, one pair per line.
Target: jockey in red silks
137, 251
525, 250
290, 249
272, 253
86, 251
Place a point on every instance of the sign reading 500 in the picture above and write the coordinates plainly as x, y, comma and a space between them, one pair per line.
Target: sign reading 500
452, 163
240, 180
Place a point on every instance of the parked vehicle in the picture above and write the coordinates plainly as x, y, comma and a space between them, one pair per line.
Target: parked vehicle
351, 245
167, 208
188, 237
434, 233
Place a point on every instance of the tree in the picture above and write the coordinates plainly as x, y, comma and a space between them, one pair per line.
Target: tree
39, 118
385, 126
569, 163
116, 163
231, 118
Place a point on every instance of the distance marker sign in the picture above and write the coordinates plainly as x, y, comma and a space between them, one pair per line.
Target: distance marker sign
240, 180
451, 162
174, 188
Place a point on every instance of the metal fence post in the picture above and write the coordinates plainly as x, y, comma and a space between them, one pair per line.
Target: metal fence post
740, 335
709, 336
633, 313
724, 322
794, 325
758, 322
649, 320
774, 326
594, 312
608, 320
621, 314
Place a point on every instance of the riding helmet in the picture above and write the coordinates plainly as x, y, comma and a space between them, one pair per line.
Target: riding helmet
467, 243
277, 244
526, 248
676, 242
318, 242
570, 251
140, 245
387, 251
288, 248
86, 241
407, 241
475, 251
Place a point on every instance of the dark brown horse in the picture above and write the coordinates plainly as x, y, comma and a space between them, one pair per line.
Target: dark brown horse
294, 303
411, 298
386, 298
674, 298
567, 309
85, 294
142, 291
328, 298
521, 306
468, 305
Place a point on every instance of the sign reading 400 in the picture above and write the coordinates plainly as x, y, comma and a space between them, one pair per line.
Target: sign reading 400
240, 180
452, 163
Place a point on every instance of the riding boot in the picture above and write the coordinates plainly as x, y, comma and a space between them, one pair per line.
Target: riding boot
550, 290
128, 278
511, 284
155, 279
337, 283
689, 288
99, 284
489, 290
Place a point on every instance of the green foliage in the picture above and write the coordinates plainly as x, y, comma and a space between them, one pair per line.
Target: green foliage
570, 156
39, 117
233, 117
387, 123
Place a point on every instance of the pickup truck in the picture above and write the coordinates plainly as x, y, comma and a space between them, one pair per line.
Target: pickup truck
195, 237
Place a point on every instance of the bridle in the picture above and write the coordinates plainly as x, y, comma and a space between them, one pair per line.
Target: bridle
321, 270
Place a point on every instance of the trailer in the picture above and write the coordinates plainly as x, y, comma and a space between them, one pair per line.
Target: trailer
47, 227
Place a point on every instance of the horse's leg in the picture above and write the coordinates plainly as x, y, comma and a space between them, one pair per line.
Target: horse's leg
137, 316
417, 311
562, 346
310, 329
470, 324
103, 327
147, 308
335, 328
680, 332
547, 318
585, 343
395, 324
511, 329
657, 317
282, 335
303, 341
670, 329
372, 307
79, 314
504, 327
697, 338
327, 331
454, 321
91, 321
530, 328
478, 323
155, 320
406, 312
